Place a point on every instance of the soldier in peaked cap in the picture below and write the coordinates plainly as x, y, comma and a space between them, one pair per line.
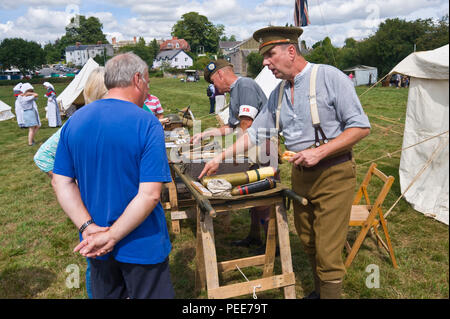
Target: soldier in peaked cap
317, 111
246, 100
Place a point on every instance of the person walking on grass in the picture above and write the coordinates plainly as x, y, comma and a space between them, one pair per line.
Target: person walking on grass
116, 152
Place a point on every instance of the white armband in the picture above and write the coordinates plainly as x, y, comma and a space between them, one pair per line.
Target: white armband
247, 110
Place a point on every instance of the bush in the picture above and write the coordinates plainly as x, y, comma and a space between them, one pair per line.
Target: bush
36, 81
156, 73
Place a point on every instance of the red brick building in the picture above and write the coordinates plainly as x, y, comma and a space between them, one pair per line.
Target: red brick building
175, 44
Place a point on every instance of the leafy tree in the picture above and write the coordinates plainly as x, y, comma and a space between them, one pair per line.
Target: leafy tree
198, 31
255, 66
22, 54
323, 52
52, 53
140, 49
201, 62
80, 29
85, 31
154, 48
392, 42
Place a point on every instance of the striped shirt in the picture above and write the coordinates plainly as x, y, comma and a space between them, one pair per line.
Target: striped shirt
153, 105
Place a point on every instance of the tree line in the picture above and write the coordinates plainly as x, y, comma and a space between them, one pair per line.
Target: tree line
392, 42
201, 34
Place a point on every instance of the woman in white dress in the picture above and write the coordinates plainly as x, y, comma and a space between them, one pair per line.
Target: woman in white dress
30, 112
18, 109
53, 114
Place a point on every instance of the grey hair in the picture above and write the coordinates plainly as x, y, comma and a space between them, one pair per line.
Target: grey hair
120, 70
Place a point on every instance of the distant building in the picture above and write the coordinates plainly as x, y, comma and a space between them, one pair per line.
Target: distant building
79, 54
237, 54
225, 47
175, 44
173, 58
363, 74
119, 44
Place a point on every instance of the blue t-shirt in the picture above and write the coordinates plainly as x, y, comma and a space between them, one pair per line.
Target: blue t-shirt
110, 146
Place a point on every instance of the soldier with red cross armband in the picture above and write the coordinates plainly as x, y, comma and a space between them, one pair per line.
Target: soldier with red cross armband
246, 101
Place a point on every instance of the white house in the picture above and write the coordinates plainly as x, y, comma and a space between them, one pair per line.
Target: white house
79, 54
175, 58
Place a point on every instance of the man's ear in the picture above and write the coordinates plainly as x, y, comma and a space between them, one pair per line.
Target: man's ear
292, 51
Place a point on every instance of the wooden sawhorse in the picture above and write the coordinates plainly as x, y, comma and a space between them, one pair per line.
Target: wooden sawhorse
207, 272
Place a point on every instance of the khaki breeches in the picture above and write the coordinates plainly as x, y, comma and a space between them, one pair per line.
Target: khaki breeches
322, 225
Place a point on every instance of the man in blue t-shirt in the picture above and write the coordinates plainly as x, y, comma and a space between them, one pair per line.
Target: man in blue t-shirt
116, 153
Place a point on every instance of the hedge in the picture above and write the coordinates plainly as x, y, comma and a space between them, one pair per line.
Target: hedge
36, 81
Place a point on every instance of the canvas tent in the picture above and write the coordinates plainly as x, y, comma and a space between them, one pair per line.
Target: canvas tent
363, 74
265, 79
5, 112
424, 168
73, 93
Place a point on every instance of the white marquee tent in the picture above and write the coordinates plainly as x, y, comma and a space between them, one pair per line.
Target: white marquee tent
73, 93
5, 112
424, 169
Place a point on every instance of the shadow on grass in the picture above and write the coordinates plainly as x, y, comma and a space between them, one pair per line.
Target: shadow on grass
183, 276
24, 283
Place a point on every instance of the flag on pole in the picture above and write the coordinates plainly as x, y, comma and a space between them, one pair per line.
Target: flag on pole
301, 13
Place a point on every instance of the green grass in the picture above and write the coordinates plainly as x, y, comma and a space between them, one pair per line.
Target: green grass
37, 238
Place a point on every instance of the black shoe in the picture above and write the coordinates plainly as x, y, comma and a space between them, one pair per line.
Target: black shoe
262, 250
246, 242
312, 295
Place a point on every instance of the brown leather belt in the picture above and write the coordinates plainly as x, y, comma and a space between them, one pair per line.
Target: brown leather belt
328, 162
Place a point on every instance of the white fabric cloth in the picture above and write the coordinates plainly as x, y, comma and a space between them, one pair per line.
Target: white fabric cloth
19, 112
48, 85
5, 112
53, 114
18, 87
73, 93
25, 87
427, 115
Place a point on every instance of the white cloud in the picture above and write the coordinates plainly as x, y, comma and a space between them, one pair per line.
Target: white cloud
338, 19
38, 24
8, 4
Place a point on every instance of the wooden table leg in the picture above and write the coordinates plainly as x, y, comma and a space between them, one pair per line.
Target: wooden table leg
209, 251
200, 279
173, 198
285, 247
271, 245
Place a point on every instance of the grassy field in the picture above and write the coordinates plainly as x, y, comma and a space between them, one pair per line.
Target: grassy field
37, 238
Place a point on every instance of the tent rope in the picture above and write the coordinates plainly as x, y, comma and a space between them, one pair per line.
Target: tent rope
374, 85
432, 157
403, 149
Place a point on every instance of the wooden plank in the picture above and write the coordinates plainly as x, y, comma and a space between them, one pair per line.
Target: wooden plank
271, 245
285, 248
209, 252
246, 288
178, 215
200, 276
247, 204
230, 265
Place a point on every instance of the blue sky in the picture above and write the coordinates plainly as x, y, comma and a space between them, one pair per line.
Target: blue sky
45, 20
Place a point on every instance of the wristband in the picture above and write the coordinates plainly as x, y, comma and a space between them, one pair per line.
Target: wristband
86, 224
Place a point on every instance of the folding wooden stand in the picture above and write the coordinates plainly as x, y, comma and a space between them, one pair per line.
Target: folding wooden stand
207, 275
